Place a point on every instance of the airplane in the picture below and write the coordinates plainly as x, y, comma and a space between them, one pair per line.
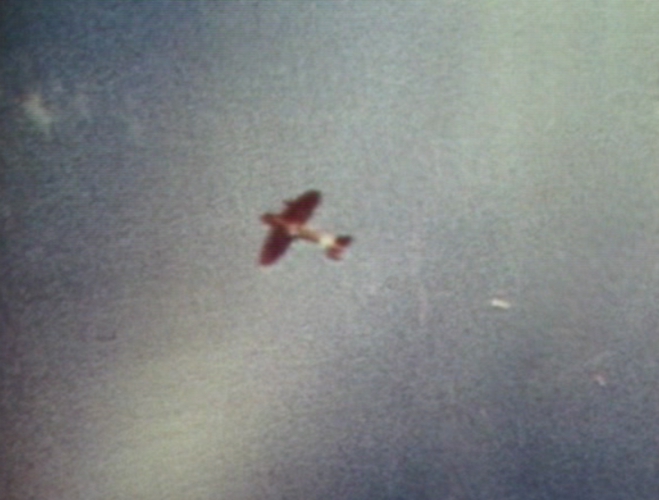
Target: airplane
290, 225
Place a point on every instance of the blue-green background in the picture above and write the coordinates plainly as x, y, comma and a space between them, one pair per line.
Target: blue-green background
476, 150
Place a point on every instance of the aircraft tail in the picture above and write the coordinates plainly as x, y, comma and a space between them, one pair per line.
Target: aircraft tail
335, 252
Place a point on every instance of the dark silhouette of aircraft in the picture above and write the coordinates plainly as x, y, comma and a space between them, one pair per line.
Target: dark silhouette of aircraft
290, 225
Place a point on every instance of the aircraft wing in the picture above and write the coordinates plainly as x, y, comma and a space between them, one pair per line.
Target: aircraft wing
299, 211
275, 246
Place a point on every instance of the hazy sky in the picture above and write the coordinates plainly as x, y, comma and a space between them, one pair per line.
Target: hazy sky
475, 150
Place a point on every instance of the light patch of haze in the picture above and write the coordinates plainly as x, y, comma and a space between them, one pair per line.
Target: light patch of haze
504, 149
